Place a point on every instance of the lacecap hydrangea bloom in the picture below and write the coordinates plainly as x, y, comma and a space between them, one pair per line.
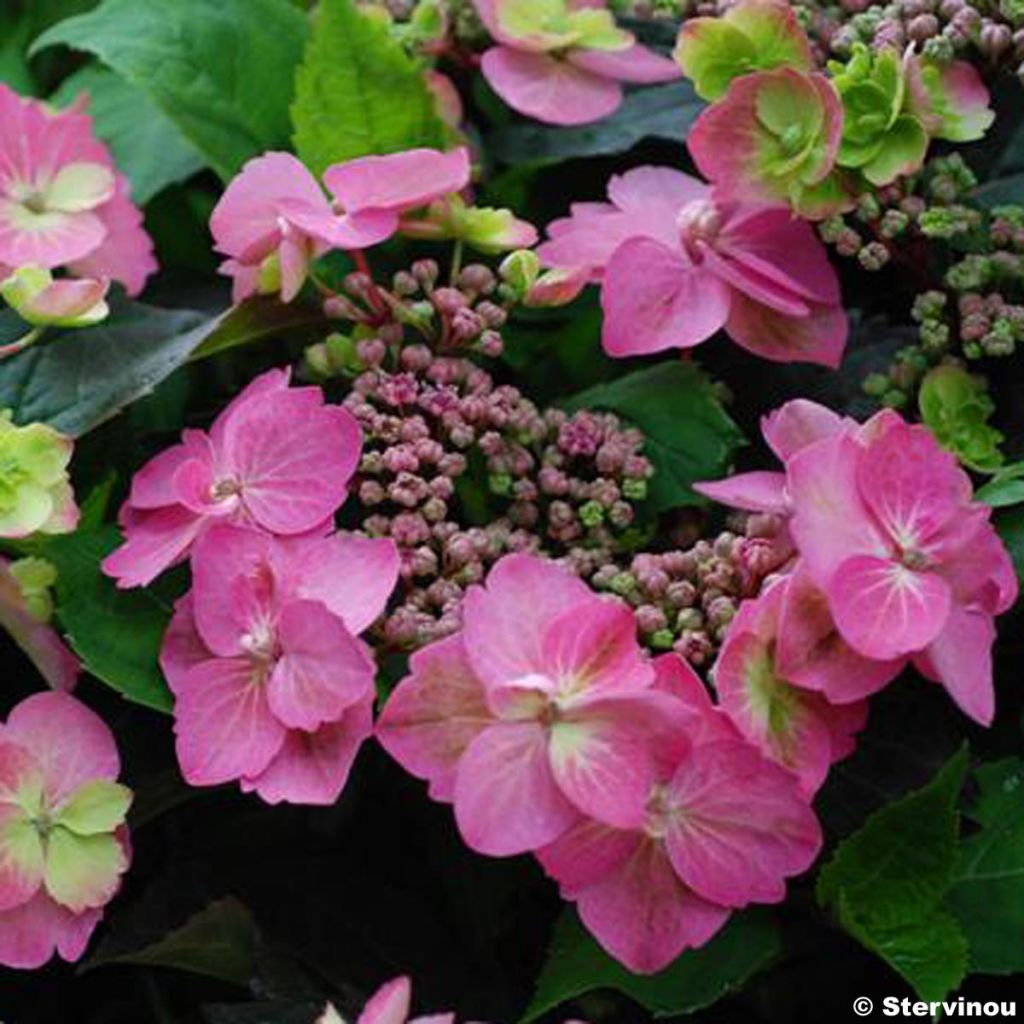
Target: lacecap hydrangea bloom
63, 841
62, 201
273, 687
677, 262
277, 458
561, 61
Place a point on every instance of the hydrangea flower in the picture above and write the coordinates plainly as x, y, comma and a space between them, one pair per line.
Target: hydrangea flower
774, 138
794, 727
39, 299
63, 843
956, 406
277, 458
562, 61
62, 202
484, 228
539, 711
25, 609
272, 686
35, 492
910, 565
723, 828
274, 218
754, 35
677, 262
951, 99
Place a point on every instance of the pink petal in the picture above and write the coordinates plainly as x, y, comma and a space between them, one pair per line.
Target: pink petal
586, 855
635, 64
819, 337
506, 799
352, 231
389, 1004
154, 542
811, 653
312, 768
913, 486
885, 610
960, 658
183, 647
759, 491
656, 193
742, 826
654, 300
353, 576
224, 726
547, 88
603, 755
292, 464
32, 933
153, 485
595, 646
798, 423
71, 743
399, 181
589, 238
504, 623
22, 857
433, 715
126, 253
46, 239
760, 288
323, 669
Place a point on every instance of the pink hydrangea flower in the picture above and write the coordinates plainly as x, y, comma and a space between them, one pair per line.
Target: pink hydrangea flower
564, 61
62, 202
276, 458
539, 711
274, 217
795, 727
723, 828
910, 565
63, 843
272, 685
677, 263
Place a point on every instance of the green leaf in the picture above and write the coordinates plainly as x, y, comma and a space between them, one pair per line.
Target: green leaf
988, 895
664, 111
258, 319
357, 92
1009, 525
217, 942
76, 379
222, 72
576, 964
116, 633
15, 33
1001, 191
887, 881
146, 144
1005, 488
690, 437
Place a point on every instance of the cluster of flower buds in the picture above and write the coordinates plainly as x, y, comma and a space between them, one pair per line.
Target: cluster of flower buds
685, 599
445, 446
942, 28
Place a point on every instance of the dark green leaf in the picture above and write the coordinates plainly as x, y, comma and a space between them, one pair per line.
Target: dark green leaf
663, 111
690, 437
221, 71
576, 964
988, 895
146, 144
15, 33
258, 319
217, 942
1001, 191
887, 881
1010, 526
357, 92
116, 633
76, 379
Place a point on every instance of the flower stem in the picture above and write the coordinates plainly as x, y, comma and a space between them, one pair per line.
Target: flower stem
22, 343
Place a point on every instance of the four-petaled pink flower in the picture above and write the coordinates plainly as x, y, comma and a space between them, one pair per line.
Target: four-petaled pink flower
62, 202
63, 842
272, 685
539, 711
564, 61
274, 219
677, 263
277, 458
722, 828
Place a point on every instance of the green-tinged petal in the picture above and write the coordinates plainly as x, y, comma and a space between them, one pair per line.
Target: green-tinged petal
43, 453
825, 199
903, 152
712, 53
789, 110
21, 857
27, 511
596, 30
544, 23
95, 808
775, 34
78, 187
83, 871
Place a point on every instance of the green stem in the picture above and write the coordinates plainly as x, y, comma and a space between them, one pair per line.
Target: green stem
456, 263
22, 343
